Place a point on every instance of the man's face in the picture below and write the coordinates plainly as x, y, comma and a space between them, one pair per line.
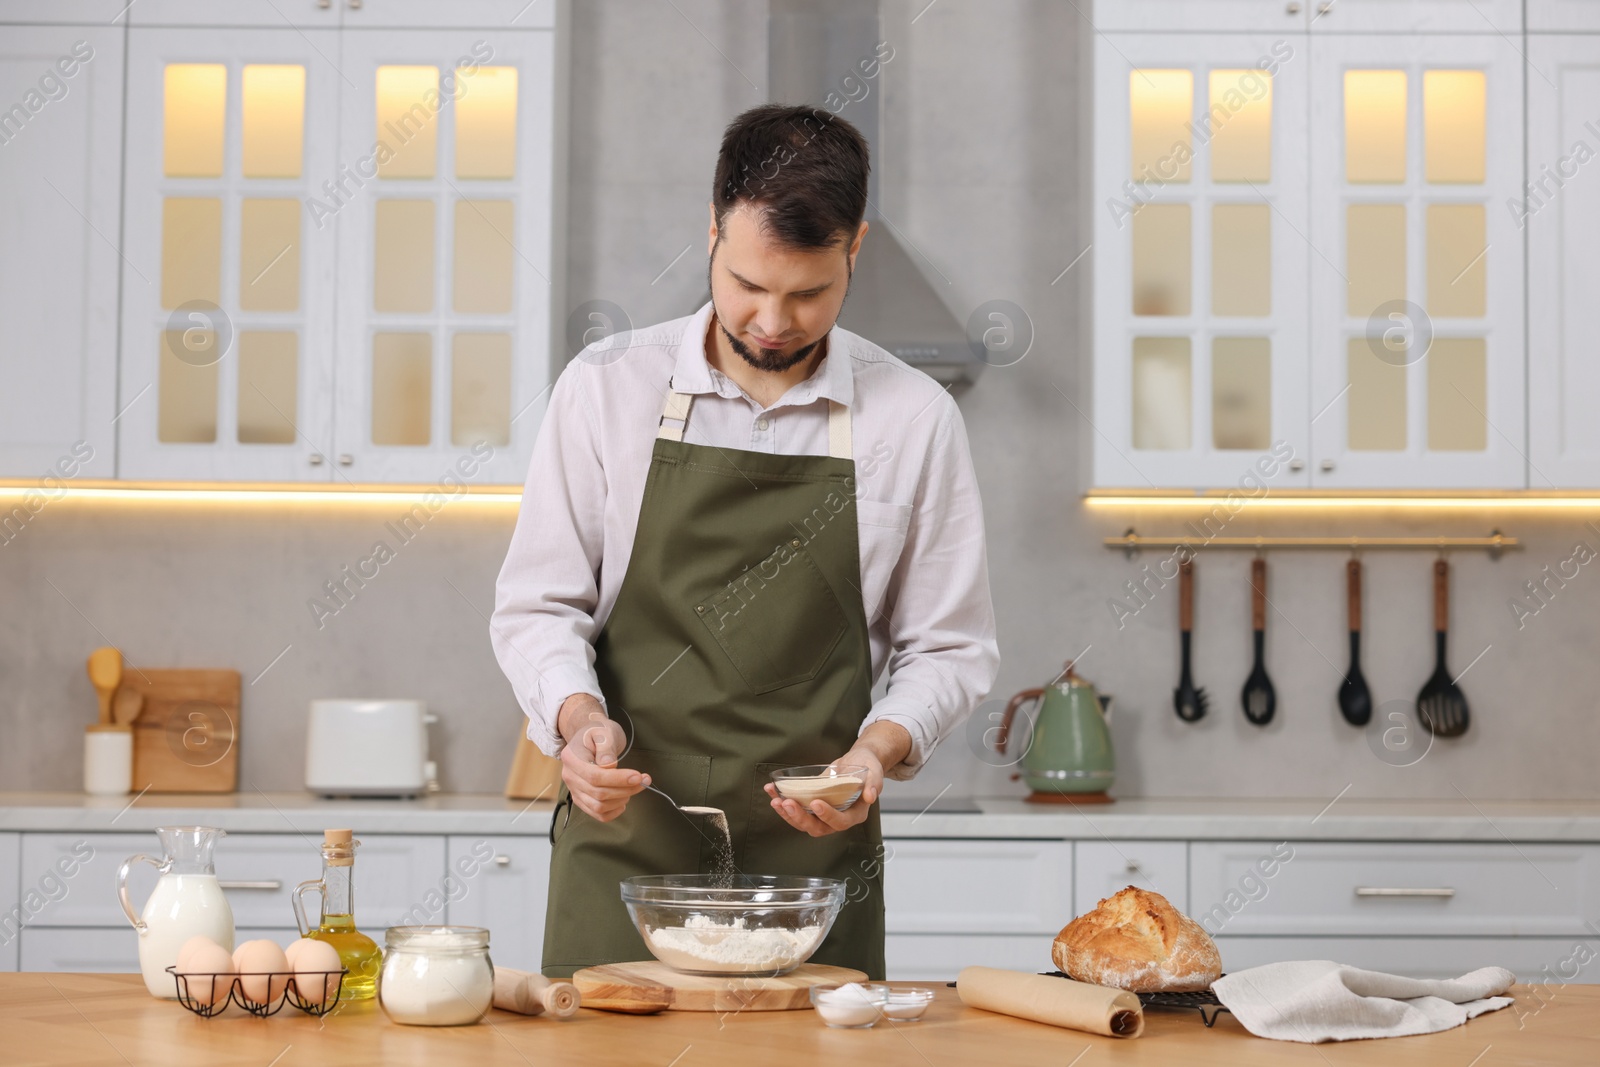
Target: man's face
774, 304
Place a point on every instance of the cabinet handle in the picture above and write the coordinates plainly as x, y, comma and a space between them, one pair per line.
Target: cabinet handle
315, 459
1293, 9
324, 4
1297, 465
355, 5
1327, 464
271, 885
1440, 893
345, 459
1322, 9
502, 861
1133, 868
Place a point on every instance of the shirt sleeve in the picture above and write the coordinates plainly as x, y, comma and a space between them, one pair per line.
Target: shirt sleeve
943, 655
543, 625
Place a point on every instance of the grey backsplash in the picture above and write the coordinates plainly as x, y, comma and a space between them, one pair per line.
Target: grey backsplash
982, 174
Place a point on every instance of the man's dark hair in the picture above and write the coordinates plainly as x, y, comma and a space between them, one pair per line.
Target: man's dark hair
805, 168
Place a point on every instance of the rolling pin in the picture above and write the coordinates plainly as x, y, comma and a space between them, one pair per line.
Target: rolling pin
534, 994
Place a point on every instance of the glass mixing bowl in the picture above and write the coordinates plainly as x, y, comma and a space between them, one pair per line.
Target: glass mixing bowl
752, 924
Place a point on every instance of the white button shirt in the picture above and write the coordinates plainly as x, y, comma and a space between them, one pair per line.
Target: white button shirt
924, 568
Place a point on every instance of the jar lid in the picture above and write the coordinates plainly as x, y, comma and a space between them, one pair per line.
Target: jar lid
440, 939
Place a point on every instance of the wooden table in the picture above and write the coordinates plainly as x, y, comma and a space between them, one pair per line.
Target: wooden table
83, 1019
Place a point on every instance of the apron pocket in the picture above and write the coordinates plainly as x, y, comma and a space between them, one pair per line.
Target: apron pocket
778, 622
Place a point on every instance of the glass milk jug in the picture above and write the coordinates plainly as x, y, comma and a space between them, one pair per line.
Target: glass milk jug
186, 901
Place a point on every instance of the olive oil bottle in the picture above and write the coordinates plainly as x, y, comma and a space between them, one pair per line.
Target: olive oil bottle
336, 924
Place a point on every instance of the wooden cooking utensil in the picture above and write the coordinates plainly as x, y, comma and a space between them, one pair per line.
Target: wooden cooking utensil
105, 674
1441, 704
1260, 699
1355, 700
1189, 701
126, 706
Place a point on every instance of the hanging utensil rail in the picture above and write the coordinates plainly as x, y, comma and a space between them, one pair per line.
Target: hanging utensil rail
1131, 542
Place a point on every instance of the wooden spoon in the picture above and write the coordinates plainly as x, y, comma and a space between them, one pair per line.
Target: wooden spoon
126, 706
105, 674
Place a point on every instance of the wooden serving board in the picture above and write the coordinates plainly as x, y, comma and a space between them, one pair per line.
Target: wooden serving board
637, 987
186, 739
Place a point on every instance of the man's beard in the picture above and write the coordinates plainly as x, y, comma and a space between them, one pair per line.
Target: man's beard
772, 362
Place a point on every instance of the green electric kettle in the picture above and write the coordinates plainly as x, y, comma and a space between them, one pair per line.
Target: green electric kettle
1069, 759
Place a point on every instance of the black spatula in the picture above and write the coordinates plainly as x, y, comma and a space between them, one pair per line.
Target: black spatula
1441, 704
1260, 699
1355, 701
1189, 700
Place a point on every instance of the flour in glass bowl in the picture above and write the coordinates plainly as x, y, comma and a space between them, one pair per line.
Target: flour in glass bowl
703, 944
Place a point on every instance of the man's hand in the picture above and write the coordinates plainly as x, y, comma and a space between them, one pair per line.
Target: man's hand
882, 745
589, 760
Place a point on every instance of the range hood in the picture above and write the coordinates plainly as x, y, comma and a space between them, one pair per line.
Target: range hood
814, 53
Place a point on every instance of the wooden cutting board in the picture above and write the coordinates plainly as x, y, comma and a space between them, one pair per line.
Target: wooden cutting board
186, 740
637, 986
534, 776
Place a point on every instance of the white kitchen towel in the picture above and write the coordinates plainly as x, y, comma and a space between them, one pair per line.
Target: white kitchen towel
1318, 1000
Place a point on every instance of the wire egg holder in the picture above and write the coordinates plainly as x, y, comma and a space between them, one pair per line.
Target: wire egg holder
235, 994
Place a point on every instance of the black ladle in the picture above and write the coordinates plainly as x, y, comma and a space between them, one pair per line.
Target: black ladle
1260, 699
1355, 701
1188, 700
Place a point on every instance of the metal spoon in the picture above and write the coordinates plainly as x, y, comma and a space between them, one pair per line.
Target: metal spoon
1355, 701
691, 809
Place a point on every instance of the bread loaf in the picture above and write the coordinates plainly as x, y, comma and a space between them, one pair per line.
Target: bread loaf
1137, 941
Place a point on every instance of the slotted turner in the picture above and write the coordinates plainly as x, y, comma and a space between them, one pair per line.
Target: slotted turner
1355, 700
1260, 699
1441, 704
1187, 699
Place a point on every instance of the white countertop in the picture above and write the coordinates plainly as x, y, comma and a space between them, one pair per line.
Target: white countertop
1296, 819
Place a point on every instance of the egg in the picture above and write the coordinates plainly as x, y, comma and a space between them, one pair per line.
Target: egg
311, 960
253, 960
208, 970
294, 949
193, 943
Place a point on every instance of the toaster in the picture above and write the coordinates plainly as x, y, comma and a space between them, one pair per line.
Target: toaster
369, 748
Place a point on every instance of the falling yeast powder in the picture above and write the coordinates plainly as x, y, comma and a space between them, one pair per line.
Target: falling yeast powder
722, 868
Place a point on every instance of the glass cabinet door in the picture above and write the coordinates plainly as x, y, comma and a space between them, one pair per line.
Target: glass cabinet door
227, 286
1417, 309
445, 253
1200, 271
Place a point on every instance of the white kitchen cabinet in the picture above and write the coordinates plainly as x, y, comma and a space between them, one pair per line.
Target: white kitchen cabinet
227, 339
340, 246
1557, 16
1101, 868
950, 886
1200, 260
1394, 889
276, 14
1417, 348
1560, 205
458, 14
445, 254
940, 957
1209, 16
1534, 960
60, 139
1415, 16
393, 873
502, 883
11, 888
54, 12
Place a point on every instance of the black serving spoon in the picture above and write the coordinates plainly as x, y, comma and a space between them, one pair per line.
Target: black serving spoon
1441, 705
1260, 700
1189, 700
1355, 701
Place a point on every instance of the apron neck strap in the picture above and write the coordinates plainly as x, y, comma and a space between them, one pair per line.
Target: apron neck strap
675, 420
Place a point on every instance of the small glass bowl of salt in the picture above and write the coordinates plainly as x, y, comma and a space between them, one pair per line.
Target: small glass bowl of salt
854, 1006
907, 1004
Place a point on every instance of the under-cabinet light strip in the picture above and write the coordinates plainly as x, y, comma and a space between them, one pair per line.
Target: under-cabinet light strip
1279, 502
23, 495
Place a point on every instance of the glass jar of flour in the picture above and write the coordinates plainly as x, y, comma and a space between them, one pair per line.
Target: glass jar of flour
436, 975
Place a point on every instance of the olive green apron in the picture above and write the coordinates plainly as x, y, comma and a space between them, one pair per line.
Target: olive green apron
738, 645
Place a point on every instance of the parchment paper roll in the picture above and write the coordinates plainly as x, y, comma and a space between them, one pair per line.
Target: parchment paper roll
534, 994
1057, 1001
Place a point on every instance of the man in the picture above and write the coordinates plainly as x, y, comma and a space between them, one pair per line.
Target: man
732, 523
